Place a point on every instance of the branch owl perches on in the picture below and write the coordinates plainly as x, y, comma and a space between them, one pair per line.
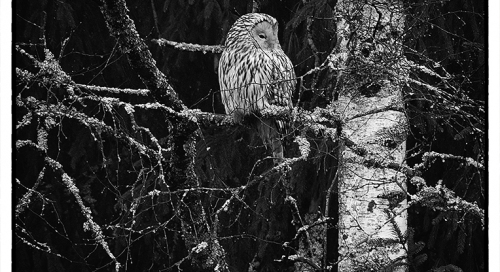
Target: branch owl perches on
255, 74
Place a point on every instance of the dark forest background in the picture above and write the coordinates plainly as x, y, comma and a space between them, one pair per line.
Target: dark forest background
112, 176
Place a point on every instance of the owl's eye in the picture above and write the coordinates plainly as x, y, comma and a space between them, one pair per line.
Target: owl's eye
262, 35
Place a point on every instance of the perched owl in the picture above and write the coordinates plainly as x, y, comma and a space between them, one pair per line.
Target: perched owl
255, 73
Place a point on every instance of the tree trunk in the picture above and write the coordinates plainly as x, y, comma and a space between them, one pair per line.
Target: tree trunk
372, 197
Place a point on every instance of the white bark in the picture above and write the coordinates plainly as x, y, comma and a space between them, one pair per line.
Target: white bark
365, 218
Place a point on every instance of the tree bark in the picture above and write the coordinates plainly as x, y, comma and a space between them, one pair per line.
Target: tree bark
372, 198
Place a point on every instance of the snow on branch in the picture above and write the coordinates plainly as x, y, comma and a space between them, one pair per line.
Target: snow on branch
51, 71
93, 124
190, 46
94, 88
443, 199
90, 224
468, 161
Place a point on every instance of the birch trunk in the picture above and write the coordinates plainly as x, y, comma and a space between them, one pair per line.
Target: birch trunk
372, 195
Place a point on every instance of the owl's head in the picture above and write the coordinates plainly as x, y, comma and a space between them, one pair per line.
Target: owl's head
254, 30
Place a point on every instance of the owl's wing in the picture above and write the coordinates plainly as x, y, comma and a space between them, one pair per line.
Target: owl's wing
281, 83
282, 80
227, 81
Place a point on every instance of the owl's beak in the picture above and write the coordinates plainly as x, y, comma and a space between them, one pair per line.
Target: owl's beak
274, 43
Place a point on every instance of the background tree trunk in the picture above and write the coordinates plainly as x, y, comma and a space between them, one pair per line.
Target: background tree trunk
372, 197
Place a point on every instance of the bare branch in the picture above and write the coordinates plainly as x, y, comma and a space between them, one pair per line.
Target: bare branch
122, 28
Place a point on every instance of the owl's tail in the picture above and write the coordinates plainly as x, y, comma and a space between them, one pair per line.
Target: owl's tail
268, 132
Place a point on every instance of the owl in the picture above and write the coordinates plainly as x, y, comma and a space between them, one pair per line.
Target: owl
255, 74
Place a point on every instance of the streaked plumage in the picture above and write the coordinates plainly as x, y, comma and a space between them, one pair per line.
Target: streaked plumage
255, 73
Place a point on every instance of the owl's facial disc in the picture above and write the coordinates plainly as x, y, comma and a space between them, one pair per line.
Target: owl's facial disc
265, 36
